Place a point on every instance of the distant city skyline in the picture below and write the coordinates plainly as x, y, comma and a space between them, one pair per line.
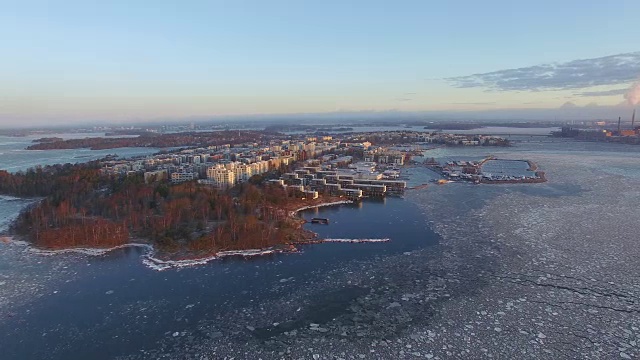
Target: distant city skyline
78, 62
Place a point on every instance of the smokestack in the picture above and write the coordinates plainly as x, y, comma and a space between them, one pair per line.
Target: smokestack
619, 119
633, 118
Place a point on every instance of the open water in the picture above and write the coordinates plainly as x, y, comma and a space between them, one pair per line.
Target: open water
14, 157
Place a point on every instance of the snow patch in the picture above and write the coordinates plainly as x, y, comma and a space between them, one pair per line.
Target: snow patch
85, 251
250, 252
148, 258
357, 240
9, 198
321, 205
160, 265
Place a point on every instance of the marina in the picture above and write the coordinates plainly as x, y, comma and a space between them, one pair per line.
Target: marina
489, 170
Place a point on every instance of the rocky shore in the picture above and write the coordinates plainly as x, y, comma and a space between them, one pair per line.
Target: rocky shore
162, 260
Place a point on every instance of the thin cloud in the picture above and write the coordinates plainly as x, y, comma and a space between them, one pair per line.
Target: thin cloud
603, 92
404, 99
473, 103
576, 74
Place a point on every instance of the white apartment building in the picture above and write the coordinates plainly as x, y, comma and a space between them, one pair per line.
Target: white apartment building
178, 177
221, 177
229, 174
243, 172
260, 167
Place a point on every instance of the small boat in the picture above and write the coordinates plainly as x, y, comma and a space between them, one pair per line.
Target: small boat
320, 221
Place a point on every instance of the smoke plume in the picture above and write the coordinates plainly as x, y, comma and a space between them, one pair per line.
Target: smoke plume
633, 95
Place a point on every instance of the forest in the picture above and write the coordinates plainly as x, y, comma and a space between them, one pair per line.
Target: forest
183, 139
81, 207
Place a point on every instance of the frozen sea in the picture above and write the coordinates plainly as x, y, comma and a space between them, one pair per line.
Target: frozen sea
14, 157
526, 271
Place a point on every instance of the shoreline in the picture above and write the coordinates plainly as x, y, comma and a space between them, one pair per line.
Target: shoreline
159, 263
148, 258
319, 205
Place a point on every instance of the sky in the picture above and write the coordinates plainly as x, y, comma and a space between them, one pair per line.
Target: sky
114, 61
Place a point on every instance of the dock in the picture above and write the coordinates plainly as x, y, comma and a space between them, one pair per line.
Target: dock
324, 221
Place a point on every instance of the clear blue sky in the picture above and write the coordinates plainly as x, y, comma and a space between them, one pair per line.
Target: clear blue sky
86, 60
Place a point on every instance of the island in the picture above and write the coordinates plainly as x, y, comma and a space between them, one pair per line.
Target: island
147, 139
48, 140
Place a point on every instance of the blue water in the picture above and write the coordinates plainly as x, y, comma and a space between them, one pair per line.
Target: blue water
14, 157
9, 209
82, 321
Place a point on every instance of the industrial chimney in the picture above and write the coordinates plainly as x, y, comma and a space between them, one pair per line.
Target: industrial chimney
633, 118
619, 120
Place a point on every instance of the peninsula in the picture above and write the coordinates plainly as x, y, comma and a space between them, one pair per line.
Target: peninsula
221, 191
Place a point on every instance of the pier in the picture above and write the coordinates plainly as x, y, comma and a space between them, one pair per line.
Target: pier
324, 221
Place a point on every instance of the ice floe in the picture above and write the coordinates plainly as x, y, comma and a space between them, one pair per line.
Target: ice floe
356, 240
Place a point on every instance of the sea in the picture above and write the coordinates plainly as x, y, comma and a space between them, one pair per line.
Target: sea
14, 157
73, 306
